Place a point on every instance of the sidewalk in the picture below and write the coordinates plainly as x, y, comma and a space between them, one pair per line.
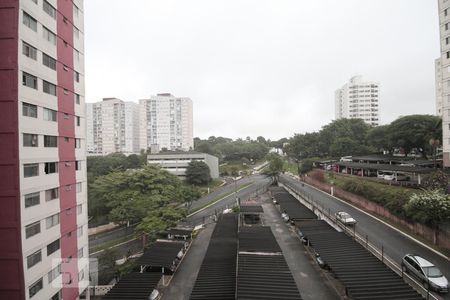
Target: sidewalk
309, 277
184, 279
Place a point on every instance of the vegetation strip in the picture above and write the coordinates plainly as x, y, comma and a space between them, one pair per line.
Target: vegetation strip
217, 199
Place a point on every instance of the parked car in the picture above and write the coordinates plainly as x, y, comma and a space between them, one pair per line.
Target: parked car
345, 218
321, 262
426, 272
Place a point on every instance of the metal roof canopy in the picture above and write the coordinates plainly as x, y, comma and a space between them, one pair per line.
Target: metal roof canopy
363, 275
385, 167
257, 239
251, 209
161, 254
134, 286
265, 277
293, 207
180, 232
217, 275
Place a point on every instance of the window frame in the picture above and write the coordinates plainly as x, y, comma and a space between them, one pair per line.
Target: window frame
28, 229
32, 199
31, 165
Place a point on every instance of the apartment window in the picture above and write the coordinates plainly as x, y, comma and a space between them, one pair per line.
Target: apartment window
66, 92
68, 188
81, 275
80, 231
50, 141
35, 1
51, 167
34, 258
79, 209
446, 26
29, 80
49, 61
29, 21
447, 54
76, 32
30, 140
447, 40
79, 187
35, 288
77, 143
48, 35
52, 247
54, 273
77, 76
66, 116
29, 110
77, 54
78, 120
50, 115
66, 139
57, 296
68, 212
30, 170
52, 220
80, 253
77, 99
75, 10
49, 88
51, 194
32, 229
49, 9
77, 165
29, 51
66, 68
32, 199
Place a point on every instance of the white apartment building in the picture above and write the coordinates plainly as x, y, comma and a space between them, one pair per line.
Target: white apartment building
43, 182
166, 121
438, 84
358, 99
444, 76
131, 128
112, 127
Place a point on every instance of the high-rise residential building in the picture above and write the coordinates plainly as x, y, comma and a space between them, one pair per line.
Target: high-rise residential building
43, 219
444, 74
112, 126
166, 122
131, 127
358, 99
438, 84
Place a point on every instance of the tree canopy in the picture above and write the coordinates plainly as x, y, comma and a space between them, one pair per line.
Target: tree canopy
344, 137
198, 173
275, 166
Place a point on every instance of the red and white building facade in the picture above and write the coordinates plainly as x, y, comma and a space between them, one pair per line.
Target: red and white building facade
43, 183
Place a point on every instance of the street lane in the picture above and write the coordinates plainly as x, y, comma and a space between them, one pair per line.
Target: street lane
395, 244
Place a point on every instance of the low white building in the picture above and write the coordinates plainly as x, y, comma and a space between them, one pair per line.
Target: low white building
177, 162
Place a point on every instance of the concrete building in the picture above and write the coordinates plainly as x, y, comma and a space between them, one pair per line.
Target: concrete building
43, 219
444, 75
166, 122
358, 99
112, 127
176, 163
438, 85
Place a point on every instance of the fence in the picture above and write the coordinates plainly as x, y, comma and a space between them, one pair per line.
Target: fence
358, 235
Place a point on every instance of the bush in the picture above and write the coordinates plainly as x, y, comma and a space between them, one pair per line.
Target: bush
392, 198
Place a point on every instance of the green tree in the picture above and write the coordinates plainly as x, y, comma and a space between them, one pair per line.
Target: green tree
431, 207
436, 181
306, 165
275, 166
415, 131
198, 173
378, 138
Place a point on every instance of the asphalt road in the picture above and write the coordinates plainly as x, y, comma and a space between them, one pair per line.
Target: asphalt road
259, 183
394, 243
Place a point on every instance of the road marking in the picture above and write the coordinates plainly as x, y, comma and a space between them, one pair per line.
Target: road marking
218, 200
381, 221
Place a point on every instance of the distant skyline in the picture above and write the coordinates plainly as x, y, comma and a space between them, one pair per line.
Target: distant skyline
265, 68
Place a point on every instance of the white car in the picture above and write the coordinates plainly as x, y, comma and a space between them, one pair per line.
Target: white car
426, 272
345, 218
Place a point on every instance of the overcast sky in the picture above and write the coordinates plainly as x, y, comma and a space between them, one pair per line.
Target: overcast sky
259, 67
